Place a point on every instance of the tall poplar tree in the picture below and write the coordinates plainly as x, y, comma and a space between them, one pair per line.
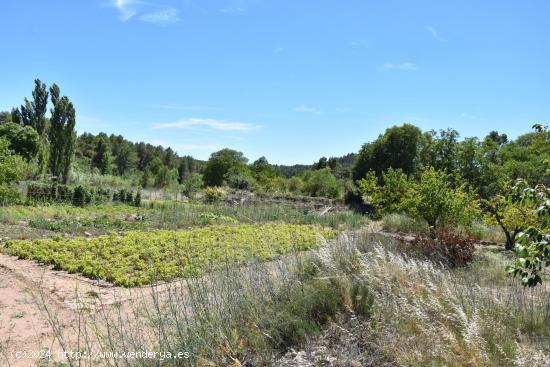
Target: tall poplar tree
61, 134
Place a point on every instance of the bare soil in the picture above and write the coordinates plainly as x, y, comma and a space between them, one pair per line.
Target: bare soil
24, 324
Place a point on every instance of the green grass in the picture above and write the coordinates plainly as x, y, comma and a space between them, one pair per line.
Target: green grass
402, 223
16, 213
101, 219
138, 258
183, 215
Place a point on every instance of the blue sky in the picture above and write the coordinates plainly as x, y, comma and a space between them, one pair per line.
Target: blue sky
290, 79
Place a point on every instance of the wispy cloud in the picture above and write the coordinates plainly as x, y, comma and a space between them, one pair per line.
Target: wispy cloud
232, 10
434, 33
221, 125
126, 8
145, 11
278, 50
402, 66
162, 16
307, 109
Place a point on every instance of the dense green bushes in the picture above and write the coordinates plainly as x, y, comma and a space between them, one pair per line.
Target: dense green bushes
9, 173
78, 195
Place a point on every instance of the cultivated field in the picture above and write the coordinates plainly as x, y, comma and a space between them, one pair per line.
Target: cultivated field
257, 284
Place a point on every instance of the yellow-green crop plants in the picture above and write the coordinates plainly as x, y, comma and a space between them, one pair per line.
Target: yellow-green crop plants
138, 257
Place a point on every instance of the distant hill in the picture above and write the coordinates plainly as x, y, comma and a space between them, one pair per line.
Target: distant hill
345, 162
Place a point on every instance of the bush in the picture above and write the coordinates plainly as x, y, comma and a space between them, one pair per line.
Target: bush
295, 185
125, 196
9, 195
239, 178
214, 194
449, 247
56, 193
137, 199
321, 183
79, 196
191, 185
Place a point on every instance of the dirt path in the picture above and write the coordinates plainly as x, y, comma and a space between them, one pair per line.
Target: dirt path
24, 326
24, 285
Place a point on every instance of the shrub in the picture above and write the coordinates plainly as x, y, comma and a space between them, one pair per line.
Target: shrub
125, 196
239, 178
295, 184
137, 199
56, 193
191, 185
214, 194
449, 247
78, 196
321, 183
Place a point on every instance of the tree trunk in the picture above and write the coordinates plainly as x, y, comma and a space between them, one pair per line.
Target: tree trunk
433, 232
509, 241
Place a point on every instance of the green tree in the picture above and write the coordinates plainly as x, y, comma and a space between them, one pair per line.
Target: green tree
5, 117
102, 158
440, 150
15, 116
295, 185
23, 140
397, 148
220, 163
434, 199
125, 158
322, 163
169, 158
388, 196
9, 171
186, 166
511, 215
321, 183
239, 177
62, 134
525, 157
34, 113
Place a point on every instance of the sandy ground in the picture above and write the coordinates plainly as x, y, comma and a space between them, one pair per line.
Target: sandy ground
25, 329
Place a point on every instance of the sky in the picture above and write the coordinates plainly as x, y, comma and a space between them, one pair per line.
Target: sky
292, 80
